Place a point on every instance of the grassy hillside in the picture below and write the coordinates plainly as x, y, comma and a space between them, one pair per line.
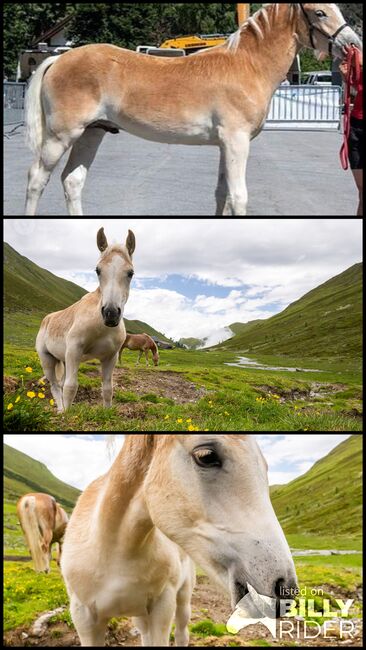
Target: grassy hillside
31, 292
139, 327
28, 287
192, 343
239, 328
327, 500
326, 322
23, 474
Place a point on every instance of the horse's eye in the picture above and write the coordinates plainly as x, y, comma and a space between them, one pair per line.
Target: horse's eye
206, 458
130, 274
97, 271
320, 14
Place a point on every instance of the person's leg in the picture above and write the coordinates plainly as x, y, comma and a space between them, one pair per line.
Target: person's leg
358, 176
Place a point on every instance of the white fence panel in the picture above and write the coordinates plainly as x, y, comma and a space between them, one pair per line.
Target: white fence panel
306, 107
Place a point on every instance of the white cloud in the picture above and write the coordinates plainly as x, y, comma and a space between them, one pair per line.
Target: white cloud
77, 460
265, 262
291, 455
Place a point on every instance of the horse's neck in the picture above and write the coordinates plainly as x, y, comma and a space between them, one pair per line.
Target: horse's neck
273, 56
123, 510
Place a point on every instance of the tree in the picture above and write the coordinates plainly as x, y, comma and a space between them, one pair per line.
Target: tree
23, 23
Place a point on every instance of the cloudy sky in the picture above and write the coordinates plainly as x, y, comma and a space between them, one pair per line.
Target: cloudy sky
78, 459
196, 276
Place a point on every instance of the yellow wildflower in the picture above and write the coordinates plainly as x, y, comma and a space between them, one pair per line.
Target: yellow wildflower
189, 420
43, 383
191, 427
41, 395
31, 394
52, 401
179, 420
167, 417
17, 399
10, 406
226, 413
28, 369
210, 401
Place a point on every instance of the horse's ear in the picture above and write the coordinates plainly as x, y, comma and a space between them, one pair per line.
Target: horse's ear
131, 243
102, 240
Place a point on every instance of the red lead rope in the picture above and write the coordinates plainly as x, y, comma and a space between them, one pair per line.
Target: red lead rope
353, 77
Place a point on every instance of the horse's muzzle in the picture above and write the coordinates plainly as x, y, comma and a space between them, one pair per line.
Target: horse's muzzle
111, 316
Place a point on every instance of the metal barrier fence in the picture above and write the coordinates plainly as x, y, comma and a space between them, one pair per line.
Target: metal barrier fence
14, 94
306, 108
293, 107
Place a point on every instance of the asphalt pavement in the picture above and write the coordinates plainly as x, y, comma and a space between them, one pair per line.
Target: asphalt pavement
289, 174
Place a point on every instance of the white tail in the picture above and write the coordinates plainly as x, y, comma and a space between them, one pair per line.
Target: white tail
34, 118
29, 523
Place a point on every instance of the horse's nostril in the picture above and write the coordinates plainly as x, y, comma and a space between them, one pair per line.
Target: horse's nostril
119, 311
280, 588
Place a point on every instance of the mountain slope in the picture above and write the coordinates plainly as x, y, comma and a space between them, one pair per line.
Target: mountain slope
328, 498
23, 474
28, 287
327, 321
31, 292
139, 327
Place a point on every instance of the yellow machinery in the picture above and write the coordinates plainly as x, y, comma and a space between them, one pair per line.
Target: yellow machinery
193, 44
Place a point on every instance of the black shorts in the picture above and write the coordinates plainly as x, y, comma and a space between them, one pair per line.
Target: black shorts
355, 144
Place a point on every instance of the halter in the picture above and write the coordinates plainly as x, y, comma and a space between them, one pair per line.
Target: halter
313, 28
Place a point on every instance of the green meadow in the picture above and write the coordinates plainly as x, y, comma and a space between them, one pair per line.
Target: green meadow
223, 398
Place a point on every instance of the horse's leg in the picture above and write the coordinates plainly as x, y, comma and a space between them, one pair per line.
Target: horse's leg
49, 368
147, 358
139, 357
72, 362
183, 615
91, 631
161, 618
59, 551
184, 610
236, 145
221, 190
74, 175
107, 373
142, 624
47, 547
40, 171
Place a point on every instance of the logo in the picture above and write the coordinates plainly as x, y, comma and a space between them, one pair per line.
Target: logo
300, 617
253, 609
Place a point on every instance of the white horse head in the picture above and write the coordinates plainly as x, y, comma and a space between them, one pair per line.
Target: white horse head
209, 494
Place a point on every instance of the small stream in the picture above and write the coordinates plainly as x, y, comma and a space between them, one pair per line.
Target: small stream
298, 553
244, 362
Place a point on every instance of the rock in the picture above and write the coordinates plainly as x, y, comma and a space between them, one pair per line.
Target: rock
40, 626
24, 635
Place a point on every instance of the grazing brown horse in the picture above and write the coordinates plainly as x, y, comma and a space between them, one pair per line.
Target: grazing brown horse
144, 343
43, 522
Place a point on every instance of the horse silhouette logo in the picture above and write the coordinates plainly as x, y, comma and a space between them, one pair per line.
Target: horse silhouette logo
254, 609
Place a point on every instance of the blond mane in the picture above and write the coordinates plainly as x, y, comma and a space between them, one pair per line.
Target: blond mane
260, 23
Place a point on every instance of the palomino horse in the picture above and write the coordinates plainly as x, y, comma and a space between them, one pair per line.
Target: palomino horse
43, 522
144, 343
91, 328
169, 498
219, 97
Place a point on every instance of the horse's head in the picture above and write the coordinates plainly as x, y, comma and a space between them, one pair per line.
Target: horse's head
115, 271
209, 494
322, 27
